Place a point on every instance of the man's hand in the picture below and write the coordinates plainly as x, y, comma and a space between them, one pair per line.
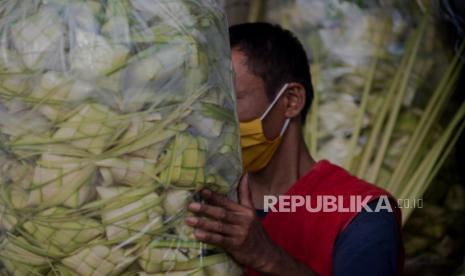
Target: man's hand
232, 226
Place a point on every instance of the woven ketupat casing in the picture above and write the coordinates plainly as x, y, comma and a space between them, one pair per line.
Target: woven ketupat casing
113, 116
187, 167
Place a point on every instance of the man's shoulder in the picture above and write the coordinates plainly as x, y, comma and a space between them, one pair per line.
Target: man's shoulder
370, 245
328, 178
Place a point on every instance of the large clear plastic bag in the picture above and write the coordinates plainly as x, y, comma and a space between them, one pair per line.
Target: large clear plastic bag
113, 113
358, 45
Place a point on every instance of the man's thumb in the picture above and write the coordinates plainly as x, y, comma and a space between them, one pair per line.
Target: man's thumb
245, 197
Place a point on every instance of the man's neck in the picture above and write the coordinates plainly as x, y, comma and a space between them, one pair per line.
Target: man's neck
290, 162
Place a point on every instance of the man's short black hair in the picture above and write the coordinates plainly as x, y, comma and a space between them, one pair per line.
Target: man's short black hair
275, 55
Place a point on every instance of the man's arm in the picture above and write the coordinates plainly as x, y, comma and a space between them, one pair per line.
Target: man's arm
235, 228
370, 245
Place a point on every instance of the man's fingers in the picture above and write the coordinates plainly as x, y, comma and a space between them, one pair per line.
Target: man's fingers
210, 225
214, 212
245, 197
213, 238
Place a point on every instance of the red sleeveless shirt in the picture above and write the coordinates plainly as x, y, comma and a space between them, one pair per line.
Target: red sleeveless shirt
310, 236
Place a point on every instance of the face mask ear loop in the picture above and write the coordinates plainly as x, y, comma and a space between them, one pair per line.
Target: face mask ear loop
286, 124
280, 93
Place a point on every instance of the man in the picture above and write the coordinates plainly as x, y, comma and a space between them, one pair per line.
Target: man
274, 93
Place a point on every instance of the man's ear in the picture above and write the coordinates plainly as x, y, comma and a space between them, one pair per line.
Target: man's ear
295, 100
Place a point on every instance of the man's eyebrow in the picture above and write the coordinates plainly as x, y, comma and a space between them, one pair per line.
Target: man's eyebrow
241, 92
245, 89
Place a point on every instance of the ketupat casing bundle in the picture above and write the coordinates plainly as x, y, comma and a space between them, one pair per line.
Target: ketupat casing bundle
112, 115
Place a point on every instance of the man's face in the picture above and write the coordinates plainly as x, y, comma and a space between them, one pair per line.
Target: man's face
252, 100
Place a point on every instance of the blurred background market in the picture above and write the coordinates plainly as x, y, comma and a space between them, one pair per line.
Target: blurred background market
389, 106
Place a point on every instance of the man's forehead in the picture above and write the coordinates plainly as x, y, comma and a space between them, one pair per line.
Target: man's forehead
245, 80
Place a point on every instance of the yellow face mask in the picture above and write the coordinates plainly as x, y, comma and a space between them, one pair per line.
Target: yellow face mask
257, 150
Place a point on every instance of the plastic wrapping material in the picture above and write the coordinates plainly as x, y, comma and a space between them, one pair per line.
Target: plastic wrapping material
113, 114
356, 46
